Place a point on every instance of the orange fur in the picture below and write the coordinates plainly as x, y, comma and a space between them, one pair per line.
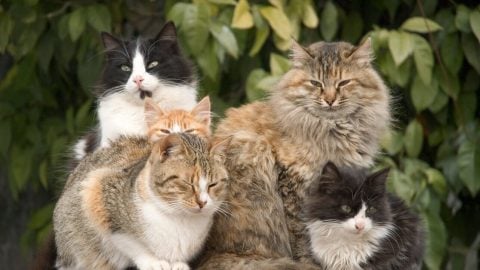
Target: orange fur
92, 196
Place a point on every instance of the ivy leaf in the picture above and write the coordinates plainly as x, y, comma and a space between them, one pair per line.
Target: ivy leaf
423, 94
401, 46
252, 89
99, 17
76, 23
423, 56
475, 23
471, 49
278, 64
309, 16
225, 37
6, 27
278, 21
329, 21
195, 26
469, 165
413, 138
420, 25
436, 240
242, 18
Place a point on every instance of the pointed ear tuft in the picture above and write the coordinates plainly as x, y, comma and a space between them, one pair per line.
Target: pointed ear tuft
152, 111
219, 146
330, 171
363, 53
298, 54
202, 111
377, 180
110, 42
168, 32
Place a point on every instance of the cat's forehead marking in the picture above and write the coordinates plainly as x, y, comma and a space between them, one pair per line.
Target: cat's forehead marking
138, 65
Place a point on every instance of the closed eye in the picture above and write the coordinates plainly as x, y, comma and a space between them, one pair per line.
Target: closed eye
343, 83
166, 131
170, 178
190, 130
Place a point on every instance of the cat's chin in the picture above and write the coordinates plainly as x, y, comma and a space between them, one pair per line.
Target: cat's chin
145, 93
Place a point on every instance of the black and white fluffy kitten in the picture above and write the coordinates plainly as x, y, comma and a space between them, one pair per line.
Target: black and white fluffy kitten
354, 223
133, 70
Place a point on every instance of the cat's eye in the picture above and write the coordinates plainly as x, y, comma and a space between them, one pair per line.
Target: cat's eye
346, 209
125, 68
190, 130
212, 185
316, 83
152, 64
371, 210
166, 131
343, 83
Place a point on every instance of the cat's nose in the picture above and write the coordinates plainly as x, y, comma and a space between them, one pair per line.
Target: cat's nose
138, 80
201, 203
359, 226
329, 102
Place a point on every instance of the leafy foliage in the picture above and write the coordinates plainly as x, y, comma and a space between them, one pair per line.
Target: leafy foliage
427, 51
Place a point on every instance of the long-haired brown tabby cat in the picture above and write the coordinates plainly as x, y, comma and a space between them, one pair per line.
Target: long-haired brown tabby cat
331, 105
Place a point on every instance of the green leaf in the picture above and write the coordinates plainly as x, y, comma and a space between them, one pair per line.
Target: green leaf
392, 142
278, 64
469, 165
475, 23
441, 99
223, 2
451, 52
278, 21
282, 44
83, 114
45, 50
195, 26
6, 27
423, 56
449, 83
420, 25
252, 89
423, 94
472, 52
261, 33
76, 23
41, 217
225, 37
436, 240
208, 62
436, 179
465, 108
352, 30
21, 166
401, 184
177, 13
462, 19
242, 18
99, 17
446, 19
413, 138
401, 46
329, 21
309, 16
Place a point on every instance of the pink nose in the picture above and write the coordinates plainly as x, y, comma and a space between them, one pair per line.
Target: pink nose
359, 226
138, 80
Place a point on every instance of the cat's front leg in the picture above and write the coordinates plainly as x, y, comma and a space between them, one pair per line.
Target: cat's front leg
180, 266
152, 263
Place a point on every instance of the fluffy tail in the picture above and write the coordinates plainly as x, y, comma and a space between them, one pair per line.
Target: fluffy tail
236, 262
46, 255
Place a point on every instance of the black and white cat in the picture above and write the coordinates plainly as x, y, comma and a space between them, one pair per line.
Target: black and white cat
354, 223
134, 70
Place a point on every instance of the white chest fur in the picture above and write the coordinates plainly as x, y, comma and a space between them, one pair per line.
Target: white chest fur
336, 248
123, 113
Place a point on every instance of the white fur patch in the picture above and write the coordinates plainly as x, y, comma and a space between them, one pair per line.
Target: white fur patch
339, 246
79, 149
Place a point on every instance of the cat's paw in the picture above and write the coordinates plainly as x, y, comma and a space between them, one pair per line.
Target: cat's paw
180, 266
153, 264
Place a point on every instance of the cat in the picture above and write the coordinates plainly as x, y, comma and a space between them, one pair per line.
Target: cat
330, 105
354, 223
153, 215
134, 70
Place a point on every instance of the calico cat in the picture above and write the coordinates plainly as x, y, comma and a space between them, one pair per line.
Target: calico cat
133, 70
354, 223
331, 105
152, 215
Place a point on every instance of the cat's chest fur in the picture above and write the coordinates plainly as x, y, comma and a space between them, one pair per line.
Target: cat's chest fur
120, 114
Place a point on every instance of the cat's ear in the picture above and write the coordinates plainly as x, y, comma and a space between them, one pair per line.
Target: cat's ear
152, 111
169, 34
298, 54
377, 180
363, 53
110, 42
219, 147
202, 111
169, 146
330, 172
